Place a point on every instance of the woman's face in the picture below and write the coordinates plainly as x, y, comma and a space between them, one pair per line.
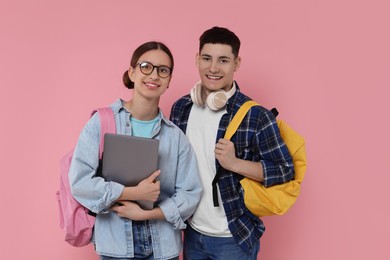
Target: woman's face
158, 64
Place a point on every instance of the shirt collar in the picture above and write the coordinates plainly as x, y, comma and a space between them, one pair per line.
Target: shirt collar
117, 106
234, 100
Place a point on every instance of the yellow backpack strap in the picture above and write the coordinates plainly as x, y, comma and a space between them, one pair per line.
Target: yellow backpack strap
238, 117
230, 130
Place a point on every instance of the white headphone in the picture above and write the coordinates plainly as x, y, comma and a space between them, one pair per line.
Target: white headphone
215, 100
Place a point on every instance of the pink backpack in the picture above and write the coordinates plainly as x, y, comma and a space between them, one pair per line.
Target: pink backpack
75, 219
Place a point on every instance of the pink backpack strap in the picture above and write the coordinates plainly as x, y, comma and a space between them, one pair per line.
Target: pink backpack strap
107, 125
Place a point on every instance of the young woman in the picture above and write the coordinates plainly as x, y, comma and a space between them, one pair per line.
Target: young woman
124, 230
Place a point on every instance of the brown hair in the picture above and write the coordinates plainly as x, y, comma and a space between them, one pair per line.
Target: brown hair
148, 46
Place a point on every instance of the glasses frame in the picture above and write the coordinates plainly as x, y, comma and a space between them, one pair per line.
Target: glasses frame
154, 67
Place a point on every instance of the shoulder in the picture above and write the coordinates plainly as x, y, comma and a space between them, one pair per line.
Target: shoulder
257, 113
182, 102
93, 124
180, 109
175, 136
173, 129
261, 111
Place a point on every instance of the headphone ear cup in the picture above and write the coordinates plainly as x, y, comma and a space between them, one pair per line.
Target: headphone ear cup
193, 96
217, 99
196, 95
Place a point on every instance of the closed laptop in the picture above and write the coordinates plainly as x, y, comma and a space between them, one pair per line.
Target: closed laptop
129, 160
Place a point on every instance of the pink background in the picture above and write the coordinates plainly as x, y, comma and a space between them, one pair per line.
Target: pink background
323, 64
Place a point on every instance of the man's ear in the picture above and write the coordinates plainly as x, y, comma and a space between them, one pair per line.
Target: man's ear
197, 60
237, 63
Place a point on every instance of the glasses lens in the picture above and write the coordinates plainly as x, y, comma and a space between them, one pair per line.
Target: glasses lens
163, 71
146, 68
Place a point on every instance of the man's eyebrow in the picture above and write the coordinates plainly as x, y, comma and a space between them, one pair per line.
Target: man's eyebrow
224, 57
220, 57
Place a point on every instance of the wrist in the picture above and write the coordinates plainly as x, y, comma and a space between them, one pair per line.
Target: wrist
236, 166
132, 193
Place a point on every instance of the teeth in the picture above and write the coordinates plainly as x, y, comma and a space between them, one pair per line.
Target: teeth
151, 85
213, 77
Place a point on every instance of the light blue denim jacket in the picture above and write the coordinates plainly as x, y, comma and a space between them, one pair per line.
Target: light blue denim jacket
180, 188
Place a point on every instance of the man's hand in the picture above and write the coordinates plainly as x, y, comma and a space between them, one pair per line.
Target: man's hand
226, 154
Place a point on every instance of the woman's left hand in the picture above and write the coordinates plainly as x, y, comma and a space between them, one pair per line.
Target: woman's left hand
130, 210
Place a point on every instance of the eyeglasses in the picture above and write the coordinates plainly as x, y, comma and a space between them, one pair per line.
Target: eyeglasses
147, 68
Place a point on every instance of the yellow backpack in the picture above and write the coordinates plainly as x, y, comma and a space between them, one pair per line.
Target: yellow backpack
277, 199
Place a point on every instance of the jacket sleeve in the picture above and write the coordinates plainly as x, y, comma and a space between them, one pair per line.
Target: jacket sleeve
89, 190
182, 204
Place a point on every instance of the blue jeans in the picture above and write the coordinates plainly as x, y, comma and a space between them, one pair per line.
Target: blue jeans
201, 247
142, 239
102, 257
142, 243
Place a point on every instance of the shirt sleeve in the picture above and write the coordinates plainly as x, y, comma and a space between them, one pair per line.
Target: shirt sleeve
276, 160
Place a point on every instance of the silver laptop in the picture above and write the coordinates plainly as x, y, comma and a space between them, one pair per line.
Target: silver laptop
129, 160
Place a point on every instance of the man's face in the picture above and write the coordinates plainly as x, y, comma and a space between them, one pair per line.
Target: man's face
216, 65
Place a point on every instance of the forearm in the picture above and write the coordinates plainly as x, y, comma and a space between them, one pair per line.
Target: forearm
155, 213
130, 193
133, 211
249, 169
225, 154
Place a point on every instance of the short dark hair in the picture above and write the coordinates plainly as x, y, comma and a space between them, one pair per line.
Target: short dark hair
222, 36
147, 46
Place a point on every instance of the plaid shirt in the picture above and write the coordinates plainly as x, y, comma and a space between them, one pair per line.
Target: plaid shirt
257, 139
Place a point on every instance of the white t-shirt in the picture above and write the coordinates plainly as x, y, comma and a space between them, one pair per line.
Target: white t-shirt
202, 130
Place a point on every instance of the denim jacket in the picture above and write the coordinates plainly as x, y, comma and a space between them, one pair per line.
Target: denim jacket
180, 188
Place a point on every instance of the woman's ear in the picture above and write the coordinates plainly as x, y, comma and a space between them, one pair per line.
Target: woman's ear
169, 81
130, 72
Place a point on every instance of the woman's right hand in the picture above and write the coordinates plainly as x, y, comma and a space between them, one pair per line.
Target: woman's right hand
149, 188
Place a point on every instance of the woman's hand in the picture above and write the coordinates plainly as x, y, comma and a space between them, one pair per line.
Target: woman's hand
149, 188
129, 209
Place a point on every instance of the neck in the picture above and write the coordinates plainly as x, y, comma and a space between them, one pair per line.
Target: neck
142, 110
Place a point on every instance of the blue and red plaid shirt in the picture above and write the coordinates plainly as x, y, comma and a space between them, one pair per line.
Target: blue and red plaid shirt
257, 139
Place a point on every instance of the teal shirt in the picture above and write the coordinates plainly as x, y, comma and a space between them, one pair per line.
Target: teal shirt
143, 128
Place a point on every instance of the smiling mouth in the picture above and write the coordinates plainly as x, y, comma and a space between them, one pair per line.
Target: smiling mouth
213, 77
151, 85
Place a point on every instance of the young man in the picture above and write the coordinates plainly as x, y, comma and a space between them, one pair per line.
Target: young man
222, 227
